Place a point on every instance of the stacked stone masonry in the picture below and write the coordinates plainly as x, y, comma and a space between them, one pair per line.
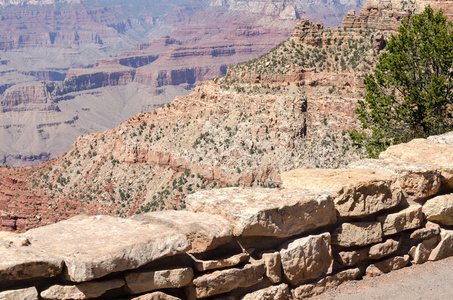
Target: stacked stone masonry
322, 228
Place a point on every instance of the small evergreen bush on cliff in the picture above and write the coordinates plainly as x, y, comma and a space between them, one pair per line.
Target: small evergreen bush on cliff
410, 93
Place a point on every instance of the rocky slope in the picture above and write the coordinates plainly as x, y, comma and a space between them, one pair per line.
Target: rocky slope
164, 48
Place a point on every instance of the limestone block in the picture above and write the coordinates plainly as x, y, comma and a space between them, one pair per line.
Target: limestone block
420, 253
306, 258
328, 282
273, 264
356, 193
13, 238
425, 151
26, 263
227, 280
86, 290
278, 292
440, 209
266, 212
22, 294
445, 247
350, 258
205, 231
430, 230
357, 234
230, 261
409, 218
381, 250
156, 296
417, 180
93, 247
141, 282
385, 266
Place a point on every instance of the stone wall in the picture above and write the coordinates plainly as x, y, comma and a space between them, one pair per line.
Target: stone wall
324, 227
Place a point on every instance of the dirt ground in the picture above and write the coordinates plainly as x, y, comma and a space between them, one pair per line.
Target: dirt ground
431, 280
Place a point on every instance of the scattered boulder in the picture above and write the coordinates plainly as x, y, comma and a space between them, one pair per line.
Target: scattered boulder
266, 212
356, 193
306, 258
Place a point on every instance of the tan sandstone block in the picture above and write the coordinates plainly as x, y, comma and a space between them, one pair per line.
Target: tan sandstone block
329, 282
230, 261
430, 230
86, 290
350, 258
385, 266
141, 282
156, 296
417, 180
357, 234
381, 250
440, 209
420, 253
13, 238
356, 193
273, 264
445, 247
279, 292
93, 247
424, 151
266, 212
26, 263
205, 231
220, 282
306, 258
21, 294
409, 218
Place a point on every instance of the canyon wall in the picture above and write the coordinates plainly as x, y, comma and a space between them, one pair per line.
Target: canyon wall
324, 227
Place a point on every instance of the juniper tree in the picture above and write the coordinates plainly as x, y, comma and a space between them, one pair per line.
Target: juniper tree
410, 93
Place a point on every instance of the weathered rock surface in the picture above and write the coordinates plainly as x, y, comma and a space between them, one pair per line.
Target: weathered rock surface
21, 294
279, 292
381, 250
409, 218
430, 230
140, 282
445, 246
440, 209
420, 253
26, 263
446, 138
356, 193
93, 247
266, 212
424, 151
273, 264
329, 282
417, 180
350, 258
205, 265
13, 238
205, 231
357, 234
306, 258
86, 290
156, 296
220, 282
385, 266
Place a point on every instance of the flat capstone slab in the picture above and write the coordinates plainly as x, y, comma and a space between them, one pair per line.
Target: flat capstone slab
92, 247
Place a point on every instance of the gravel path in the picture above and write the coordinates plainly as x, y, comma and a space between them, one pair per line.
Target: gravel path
431, 280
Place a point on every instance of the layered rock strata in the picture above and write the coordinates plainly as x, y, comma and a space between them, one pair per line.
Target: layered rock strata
244, 243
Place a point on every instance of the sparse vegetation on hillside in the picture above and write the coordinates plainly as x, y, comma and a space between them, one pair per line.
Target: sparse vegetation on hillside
410, 93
